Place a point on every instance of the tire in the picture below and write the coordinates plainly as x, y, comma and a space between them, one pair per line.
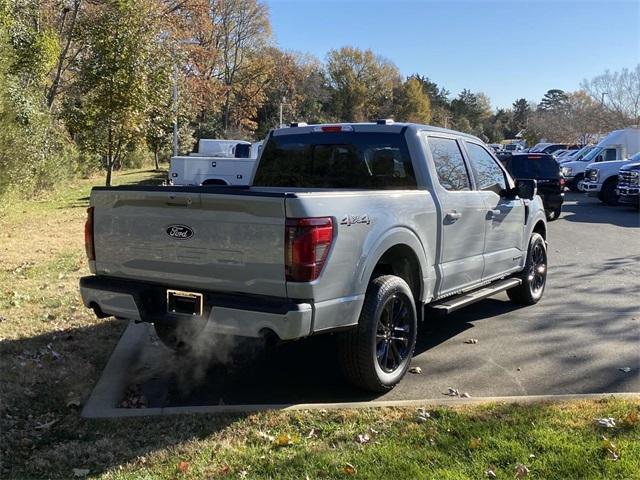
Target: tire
607, 193
573, 186
530, 291
181, 337
371, 358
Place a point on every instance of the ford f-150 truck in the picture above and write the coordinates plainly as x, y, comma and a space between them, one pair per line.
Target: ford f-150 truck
362, 230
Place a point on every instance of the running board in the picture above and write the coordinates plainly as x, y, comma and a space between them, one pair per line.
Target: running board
451, 304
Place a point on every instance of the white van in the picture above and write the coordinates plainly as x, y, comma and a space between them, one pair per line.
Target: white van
617, 145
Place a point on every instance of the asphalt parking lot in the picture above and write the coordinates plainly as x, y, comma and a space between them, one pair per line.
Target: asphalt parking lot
579, 339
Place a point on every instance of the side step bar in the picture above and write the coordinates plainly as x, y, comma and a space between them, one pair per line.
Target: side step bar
451, 304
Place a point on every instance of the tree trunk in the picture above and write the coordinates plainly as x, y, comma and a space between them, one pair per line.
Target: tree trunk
109, 172
155, 158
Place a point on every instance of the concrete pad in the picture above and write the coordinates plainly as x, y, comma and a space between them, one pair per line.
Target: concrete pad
571, 345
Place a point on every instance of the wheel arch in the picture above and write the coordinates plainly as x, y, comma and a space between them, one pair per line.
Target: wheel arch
399, 253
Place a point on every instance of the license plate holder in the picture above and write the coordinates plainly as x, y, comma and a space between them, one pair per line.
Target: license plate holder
184, 303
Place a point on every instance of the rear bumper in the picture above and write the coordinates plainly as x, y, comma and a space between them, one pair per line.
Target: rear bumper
229, 314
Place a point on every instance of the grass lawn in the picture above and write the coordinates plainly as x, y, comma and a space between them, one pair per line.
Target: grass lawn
53, 350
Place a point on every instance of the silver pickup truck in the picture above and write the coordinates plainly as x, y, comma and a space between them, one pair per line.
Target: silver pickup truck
361, 230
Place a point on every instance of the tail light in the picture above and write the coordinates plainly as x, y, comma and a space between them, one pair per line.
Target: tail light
307, 244
88, 235
562, 181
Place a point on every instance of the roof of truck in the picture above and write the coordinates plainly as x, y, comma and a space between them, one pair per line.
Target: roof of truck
393, 127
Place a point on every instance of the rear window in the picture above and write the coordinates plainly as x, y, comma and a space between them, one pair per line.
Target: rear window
533, 166
336, 160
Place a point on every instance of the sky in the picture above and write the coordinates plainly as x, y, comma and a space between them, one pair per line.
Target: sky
506, 49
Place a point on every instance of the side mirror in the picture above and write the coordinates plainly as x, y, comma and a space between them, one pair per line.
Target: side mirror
526, 188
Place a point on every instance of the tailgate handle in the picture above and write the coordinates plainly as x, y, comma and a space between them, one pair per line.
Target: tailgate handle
179, 202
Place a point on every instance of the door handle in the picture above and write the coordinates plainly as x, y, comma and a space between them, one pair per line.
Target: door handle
452, 216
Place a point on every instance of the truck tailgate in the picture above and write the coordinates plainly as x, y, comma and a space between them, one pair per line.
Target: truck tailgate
210, 241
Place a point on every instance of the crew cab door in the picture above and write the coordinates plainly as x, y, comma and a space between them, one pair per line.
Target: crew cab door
504, 217
461, 209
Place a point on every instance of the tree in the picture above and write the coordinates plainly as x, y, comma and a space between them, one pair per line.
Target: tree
553, 100
413, 104
244, 30
619, 92
521, 112
361, 84
112, 89
438, 98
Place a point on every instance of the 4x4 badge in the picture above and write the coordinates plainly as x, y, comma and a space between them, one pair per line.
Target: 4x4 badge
349, 220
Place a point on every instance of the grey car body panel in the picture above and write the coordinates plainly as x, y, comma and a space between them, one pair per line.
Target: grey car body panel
237, 244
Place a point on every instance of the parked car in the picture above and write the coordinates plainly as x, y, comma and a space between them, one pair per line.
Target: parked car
547, 147
601, 179
353, 229
212, 169
617, 145
575, 155
629, 185
545, 170
513, 147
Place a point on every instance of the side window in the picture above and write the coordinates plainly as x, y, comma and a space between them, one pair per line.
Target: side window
450, 167
610, 155
489, 176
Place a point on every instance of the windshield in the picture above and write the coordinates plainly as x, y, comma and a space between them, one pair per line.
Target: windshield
355, 160
583, 151
592, 154
636, 157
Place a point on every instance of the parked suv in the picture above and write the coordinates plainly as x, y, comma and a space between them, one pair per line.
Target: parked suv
546, 171
358, 229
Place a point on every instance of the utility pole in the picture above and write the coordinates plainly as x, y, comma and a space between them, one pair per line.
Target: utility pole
175, 91
175, 105
282, 103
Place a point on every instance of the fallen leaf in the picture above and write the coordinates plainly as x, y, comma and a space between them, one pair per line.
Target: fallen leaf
416, 370
521, 471
490, 473
224, 470
349, 469
266, 436
283, 440
465, 395
471, 340
607, 422
243, 473
74, 403
363, 438
453, 392
625, 369
474, 443
312, 433
80, 472
183, 466
43, 426
422, 415
631, 418
610, 449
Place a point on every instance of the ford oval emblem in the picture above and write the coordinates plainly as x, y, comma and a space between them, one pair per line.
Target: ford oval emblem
179, 232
